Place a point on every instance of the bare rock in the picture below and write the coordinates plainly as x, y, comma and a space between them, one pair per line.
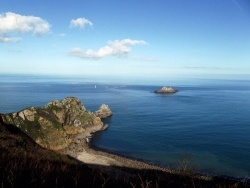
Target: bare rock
166, 90
104, 111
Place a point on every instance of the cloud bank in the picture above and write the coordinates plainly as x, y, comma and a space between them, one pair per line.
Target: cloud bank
80, 23
15, 23
119, 48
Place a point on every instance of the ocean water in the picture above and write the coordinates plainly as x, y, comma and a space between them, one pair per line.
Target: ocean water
206, 123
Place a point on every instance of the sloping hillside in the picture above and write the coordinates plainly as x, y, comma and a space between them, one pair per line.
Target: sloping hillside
53, 125
24, 163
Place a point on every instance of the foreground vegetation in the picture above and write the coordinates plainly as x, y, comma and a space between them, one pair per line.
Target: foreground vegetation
23, 163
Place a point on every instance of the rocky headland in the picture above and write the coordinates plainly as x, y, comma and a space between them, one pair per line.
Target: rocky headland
58, 125
37, 146
66, 127
166, 90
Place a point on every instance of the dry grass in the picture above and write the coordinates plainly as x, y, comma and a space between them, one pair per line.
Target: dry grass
23, 163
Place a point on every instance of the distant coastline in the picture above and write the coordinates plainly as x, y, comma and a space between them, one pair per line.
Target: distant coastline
131, 80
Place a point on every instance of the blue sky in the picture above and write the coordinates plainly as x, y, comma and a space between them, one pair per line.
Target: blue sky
178, 38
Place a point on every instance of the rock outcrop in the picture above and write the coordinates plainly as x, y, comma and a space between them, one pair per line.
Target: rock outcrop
58, 124
103, 112
166, 90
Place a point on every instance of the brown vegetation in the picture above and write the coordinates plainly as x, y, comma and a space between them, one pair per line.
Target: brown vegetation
23, 163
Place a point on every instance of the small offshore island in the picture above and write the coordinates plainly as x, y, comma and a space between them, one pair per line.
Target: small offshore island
166, 90
49, 147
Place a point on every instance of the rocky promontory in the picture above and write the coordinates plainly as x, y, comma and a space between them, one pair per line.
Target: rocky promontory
103, 112
58, 124
166, 90
64, 125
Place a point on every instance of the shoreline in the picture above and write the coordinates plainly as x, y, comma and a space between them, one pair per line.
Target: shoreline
172, 170
103, 159
98, 157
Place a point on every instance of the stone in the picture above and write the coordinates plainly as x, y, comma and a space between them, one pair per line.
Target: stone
29, 114
104, 111
166, 90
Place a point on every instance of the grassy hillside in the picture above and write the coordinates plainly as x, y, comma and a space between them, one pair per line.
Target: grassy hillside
23, 163
52, 126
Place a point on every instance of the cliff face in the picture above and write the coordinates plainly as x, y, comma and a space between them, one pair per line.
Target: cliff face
54, 125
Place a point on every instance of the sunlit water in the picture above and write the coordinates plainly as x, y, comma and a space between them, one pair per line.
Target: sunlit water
206, 123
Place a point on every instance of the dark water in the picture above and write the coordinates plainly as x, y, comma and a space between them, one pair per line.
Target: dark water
207, 122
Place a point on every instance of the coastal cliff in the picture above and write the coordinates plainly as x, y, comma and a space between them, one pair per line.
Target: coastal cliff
63, 125
58, 124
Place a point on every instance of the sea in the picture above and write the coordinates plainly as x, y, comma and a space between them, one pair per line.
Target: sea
204, 127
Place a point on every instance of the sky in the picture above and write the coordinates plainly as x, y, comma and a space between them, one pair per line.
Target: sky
164, 38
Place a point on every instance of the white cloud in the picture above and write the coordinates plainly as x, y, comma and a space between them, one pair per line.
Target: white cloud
16, 23
80, 23
114, 48
9, 39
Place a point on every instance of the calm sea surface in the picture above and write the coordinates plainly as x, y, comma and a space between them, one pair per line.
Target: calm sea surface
206, 123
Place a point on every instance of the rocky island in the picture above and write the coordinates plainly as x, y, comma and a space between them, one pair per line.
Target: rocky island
166, 90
